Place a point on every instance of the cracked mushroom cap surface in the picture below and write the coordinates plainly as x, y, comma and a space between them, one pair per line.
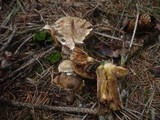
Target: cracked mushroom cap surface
72, 30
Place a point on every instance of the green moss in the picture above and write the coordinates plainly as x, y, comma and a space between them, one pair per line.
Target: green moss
42, 37
54, 57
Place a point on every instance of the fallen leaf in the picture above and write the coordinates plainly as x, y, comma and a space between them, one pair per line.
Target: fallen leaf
106, 50
155, 71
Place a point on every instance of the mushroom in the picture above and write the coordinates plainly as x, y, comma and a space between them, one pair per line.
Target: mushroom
70, 30
66, 66
80, 57
107, 87
80, 62
68, 82
81, 71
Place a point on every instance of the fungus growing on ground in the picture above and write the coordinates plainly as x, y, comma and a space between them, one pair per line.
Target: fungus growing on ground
80, 61
107, 87
66, 67
70, 31
68, 82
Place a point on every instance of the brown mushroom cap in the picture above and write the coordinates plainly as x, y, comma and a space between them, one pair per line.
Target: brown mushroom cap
81, 71
68, 82
80, 57
80, 61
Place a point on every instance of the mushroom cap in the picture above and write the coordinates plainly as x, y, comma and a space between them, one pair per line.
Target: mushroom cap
72, 30
65, 66
81, 71
68, 82
107, 86
80, 57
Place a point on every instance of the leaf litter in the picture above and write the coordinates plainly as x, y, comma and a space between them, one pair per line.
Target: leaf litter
29, 81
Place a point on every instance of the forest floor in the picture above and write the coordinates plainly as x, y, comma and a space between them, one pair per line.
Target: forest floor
27, 67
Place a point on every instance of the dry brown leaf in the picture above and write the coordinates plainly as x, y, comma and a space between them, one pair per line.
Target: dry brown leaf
68, 82
107, 87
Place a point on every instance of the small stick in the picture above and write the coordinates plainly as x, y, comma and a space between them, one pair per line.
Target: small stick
135, 27
47, 107
116, 38
30, 62
134, 31
6, 44
29, 37
87, 114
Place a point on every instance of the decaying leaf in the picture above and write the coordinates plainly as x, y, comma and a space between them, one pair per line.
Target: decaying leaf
70, 30
66, 66
146, 23
155, 71
106, 50
68, 82
107, 87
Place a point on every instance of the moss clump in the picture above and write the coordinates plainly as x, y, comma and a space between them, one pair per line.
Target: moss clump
54, 57
43, 38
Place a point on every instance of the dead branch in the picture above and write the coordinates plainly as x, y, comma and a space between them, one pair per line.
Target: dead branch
12, 103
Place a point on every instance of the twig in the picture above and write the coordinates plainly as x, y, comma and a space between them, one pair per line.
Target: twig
87, 114
22, 44
6, 44
5, 22
131, 112
115, 38
147, 105
48, 107
135, 27
30, 62
20, 5
134, 32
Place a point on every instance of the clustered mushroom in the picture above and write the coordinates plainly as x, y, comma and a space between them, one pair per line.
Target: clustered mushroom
71, 32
